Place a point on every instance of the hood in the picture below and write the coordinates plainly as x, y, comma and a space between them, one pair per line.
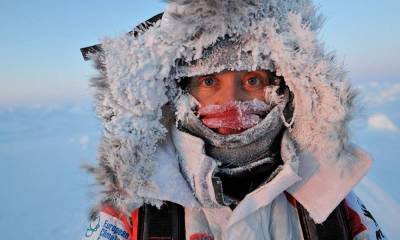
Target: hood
136, 88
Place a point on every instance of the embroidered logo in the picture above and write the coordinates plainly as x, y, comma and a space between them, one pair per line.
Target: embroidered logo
106, 227
378, 231
93, 227
201, 236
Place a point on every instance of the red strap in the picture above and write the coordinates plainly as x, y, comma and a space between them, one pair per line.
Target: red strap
135, 224
355, 221
291, 199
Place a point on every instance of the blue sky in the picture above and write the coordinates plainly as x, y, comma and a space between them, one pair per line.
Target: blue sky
365, 35
40, 42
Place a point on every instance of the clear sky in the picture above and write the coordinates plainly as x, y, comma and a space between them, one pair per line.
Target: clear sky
39, 42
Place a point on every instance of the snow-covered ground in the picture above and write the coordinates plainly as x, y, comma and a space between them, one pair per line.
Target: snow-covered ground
46, 194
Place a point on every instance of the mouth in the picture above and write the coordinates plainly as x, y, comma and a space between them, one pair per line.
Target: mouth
233, 117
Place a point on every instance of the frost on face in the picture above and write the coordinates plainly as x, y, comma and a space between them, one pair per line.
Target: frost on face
235, 115
270, 122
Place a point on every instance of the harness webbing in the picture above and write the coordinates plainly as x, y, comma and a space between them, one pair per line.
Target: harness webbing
166, 223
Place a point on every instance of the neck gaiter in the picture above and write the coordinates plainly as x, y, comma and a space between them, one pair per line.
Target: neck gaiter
245, 159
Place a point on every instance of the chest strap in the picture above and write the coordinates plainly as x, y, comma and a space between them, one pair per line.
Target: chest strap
335, 227
166, 223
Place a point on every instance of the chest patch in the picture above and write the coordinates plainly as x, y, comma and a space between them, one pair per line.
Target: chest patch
106, 227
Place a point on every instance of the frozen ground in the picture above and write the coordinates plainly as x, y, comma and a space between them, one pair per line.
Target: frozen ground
46, 195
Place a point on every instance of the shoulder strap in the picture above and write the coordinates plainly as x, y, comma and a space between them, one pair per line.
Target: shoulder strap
166, 223
336, 226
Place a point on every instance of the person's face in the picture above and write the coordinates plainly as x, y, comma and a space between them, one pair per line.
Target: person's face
227, 87
220, 88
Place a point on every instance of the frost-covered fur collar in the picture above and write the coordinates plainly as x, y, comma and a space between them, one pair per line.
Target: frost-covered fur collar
137, 83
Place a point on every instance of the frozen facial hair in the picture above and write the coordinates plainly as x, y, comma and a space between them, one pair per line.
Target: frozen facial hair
236, 149
235, 116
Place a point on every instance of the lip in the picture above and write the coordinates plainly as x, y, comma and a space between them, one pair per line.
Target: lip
232, 117
233, 121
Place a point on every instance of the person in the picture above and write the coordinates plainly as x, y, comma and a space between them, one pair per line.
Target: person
226, 120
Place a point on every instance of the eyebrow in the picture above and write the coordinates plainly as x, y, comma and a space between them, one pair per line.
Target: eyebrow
207, 75
259, 72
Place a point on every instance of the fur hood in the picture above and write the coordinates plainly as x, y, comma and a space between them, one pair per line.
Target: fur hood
138, 72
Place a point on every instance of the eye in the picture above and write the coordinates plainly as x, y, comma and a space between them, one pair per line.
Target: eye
208, 81
254, 81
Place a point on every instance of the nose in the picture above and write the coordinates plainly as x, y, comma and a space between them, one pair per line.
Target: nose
232, 92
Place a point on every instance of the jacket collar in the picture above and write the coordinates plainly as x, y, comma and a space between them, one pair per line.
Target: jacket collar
324, 185
317, 184
167, 183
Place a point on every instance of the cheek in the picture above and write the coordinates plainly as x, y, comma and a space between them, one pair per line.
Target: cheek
204, 96
257, 94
